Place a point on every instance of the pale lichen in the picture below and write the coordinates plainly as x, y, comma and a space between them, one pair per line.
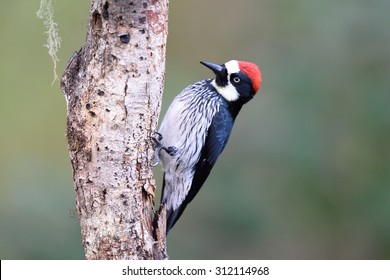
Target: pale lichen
46, 14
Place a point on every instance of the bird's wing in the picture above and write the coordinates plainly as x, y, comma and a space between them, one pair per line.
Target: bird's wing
216, 139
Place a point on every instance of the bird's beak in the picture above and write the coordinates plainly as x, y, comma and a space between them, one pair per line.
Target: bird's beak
217, 69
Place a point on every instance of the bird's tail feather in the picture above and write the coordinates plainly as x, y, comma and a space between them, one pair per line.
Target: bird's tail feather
173, 216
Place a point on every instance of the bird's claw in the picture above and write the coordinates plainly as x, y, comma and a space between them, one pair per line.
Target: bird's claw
159, 146
157, 138
156, 162
171, 150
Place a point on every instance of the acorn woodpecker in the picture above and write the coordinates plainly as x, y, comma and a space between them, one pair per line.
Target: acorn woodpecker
195, 130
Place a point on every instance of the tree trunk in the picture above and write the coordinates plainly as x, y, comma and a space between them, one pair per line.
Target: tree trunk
113, 87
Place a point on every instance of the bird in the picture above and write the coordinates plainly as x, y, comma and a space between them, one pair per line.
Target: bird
196, 128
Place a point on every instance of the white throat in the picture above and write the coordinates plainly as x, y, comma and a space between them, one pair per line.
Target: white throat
229, 92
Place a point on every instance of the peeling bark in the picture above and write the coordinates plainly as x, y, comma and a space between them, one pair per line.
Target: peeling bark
113, 87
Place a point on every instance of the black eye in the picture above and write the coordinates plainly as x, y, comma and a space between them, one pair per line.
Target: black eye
236, 80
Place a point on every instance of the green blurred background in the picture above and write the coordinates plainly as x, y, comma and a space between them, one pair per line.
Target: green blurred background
306, 173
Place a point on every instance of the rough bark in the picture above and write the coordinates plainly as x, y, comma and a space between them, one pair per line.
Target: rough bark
113, 87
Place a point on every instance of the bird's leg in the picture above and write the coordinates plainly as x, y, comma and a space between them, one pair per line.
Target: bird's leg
159, 146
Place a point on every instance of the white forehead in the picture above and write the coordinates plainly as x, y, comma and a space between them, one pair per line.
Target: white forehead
232, 66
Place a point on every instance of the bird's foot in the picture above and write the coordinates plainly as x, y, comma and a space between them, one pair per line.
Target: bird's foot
171, 150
